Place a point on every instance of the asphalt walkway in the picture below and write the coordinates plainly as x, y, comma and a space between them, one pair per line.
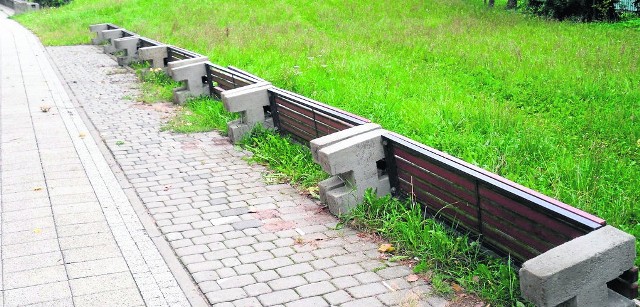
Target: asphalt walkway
101, 207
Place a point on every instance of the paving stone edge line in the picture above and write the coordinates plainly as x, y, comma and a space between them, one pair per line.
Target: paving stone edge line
184, 279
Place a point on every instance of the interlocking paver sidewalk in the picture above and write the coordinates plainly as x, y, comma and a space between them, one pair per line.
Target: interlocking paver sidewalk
243, 241
69, 234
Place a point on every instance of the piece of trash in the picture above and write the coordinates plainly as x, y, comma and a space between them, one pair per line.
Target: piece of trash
387, 285
82, 134
37, 230
37, 189
413, 278
386, 248
45, 108
456, 287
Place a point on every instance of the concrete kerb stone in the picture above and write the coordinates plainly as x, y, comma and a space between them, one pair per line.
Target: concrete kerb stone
576, 273
191, 73
155, 54
351, 159
250, 101
130, 46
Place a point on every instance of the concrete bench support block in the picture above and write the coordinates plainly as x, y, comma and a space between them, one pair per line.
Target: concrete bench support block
576, 273
155, 54
191, 75
249, 101
110, 36
97, 29
20, 7
350, 157
130, 47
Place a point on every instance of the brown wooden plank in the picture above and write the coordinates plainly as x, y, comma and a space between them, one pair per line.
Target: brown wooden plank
441, 209
332, 122
518, 233
441, 183
429, 188
451, 176
487, 195
223, 83
483, 172
503, 244
546, 233
299, 121
291, 127
294, 106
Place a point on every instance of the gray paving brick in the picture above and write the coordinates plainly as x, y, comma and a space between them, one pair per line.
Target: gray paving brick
344, 270
243, 241
126, 297
315, 289
369, 302
16, 264
278, 297
226, 295
37, 294
337, 297
287, 283
205, 276
274, 263
302, 257
322, 264
96, 267
34, 277
296, 269
226, 272
345, 282
236, 281
204, 266
94, 284
267, 275
246, 224
221, 254
367, 290
311, 301
257, 289
209, 286
190, 250
315, 276
394, 272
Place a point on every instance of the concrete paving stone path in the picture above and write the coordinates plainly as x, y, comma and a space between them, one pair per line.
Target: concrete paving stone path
102, 207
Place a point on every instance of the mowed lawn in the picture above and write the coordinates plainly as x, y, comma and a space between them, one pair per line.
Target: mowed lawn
554, 106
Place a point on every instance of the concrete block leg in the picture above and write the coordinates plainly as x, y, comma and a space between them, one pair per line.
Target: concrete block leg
97, 29
110, 35
351, 157
249, 101
155, 54
130, 47
576, 273
191, 75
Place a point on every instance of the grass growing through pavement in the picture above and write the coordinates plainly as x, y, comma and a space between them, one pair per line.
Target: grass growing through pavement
156, 85
199, 115
292, 161
447, 259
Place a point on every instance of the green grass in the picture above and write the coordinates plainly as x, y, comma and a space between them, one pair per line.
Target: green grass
447, 258
200, 115
290, 160
156, 85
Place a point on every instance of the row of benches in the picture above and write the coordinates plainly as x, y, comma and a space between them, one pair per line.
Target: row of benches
508, 218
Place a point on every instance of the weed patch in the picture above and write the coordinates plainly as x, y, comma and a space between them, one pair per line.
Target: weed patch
156, 84
200, 115
288, 158
449, 260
